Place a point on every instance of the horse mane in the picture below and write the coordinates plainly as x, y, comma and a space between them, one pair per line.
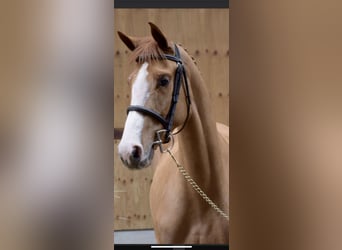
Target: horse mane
186, 50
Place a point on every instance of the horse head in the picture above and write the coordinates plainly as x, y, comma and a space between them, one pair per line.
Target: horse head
157, 104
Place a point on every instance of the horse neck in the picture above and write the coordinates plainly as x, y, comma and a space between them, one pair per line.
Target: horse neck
199, 140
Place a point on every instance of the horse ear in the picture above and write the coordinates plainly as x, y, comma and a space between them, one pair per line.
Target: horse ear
159, 37
131, 42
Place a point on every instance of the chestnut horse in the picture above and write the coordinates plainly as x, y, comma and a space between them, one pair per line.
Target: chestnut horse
169, 95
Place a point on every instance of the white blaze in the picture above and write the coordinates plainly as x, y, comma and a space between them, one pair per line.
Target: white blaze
135, 121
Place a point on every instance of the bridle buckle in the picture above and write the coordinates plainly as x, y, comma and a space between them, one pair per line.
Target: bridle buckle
164, 137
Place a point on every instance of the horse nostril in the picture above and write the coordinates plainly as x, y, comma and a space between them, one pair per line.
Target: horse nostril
136, 153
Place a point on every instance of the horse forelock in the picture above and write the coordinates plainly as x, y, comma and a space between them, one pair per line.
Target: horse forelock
147, 51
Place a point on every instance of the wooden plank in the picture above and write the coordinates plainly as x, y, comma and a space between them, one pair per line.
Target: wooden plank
131, 199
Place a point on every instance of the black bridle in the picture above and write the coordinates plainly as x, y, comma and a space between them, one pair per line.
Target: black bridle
167, 122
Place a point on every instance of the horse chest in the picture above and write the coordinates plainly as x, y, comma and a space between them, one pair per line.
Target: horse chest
179, 217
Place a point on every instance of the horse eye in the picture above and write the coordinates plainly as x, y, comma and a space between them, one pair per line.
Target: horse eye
163, 81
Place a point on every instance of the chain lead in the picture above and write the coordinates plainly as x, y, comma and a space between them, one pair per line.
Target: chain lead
197, 188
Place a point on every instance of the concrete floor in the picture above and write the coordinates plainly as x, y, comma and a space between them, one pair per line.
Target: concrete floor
134, 237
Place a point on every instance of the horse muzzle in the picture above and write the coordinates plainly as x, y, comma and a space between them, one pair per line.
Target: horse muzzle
133, 157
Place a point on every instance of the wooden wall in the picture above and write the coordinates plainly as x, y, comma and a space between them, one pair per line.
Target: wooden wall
205, 33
